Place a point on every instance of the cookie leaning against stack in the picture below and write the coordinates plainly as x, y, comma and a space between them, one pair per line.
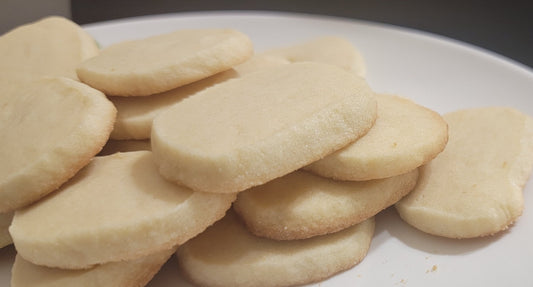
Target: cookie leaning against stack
51, 128
474, 188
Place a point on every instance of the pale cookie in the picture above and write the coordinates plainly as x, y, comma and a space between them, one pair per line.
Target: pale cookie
136, 114
164, 62
53, 46
114, 146
50, 129
302, 205
250, 130
404, 137
474, 187
117, 208
226, 254
5, 221
327, 49
117, 274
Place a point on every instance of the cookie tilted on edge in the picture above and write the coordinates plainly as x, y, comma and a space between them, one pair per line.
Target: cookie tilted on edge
164, 62
474, 187
247, 131
117, 208
226, 254
50, 129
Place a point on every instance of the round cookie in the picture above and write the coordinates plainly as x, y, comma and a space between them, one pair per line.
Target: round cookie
226, 254
250, 130
302, 205
327, 49
53, 46
136, 114
117, 208
125, 273
404, 137
474, 187
5, 221
164, 62
50, 128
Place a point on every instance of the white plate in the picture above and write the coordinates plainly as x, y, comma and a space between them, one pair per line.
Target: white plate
439, 73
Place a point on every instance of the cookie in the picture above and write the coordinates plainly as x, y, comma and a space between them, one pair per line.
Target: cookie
53, 46
5, 221
266, 124
136, 114
114, 146
302, 205
226, 254
50, 128
164, 62
404, 137
332, 50
474, 187
117, 208
125, 273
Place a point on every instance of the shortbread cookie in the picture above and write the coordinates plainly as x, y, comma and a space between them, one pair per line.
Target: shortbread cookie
53, 46
250, 130
302, 205
50, 129
226, 254
124, 274
474, 187
117, 208
5, 221
136, 114
164, 62
404, 137
114, 146
327, 49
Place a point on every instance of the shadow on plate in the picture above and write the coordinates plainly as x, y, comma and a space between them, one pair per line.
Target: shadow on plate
389, 226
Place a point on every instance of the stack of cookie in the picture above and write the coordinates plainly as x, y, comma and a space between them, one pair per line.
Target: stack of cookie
262, 169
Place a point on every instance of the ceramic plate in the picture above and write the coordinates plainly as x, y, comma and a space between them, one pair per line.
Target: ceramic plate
440, 73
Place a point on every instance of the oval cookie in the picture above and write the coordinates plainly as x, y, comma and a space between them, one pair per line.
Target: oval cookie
53, 46
474, 187
302, 205
404, 137
50, 129
125, 273
226, 254
249, 130
117, 208
164, 62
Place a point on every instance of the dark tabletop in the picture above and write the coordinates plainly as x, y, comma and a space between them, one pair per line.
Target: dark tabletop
504, 27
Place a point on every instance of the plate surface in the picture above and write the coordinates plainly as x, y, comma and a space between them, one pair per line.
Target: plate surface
439, 73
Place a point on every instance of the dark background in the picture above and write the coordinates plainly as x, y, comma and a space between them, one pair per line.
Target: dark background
504, 27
